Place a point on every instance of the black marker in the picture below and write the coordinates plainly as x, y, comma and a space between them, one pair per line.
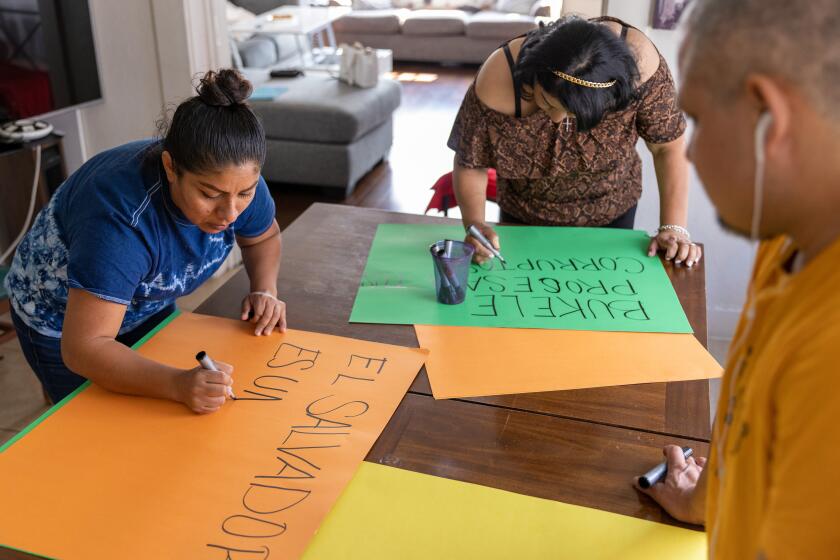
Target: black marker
474, 232
207, 363
658, 472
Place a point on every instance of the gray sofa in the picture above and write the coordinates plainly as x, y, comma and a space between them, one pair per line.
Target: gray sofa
449, 36
324, 133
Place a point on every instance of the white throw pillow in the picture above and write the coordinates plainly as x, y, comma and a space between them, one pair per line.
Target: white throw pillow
372, 5
234, 13
515, 6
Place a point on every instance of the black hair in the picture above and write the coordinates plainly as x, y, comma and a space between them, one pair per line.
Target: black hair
585, 50
214, 128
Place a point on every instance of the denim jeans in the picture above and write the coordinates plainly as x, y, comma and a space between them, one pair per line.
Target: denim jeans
44, 354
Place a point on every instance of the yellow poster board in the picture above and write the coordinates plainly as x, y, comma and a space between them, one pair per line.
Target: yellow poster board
387, 513
111, 476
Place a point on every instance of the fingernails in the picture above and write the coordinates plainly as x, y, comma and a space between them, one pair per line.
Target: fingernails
677, 262
689, 264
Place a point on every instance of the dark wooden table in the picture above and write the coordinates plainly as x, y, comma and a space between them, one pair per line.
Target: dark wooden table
580, 447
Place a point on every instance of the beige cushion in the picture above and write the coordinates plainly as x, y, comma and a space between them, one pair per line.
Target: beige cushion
495, 25
515, 6
435, 23
380, 22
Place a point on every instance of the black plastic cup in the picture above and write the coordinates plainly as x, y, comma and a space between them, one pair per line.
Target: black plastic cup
451, 261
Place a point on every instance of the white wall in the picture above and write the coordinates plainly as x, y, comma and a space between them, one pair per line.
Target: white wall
126, 50
728, 258
148, 52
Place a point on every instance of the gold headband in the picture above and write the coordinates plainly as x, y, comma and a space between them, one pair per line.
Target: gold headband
584, 83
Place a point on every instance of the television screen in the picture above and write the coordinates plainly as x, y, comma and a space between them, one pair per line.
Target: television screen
47, 57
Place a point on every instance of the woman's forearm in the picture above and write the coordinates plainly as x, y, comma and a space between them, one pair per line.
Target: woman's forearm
117, 368
672, 177
262, 263
470, 186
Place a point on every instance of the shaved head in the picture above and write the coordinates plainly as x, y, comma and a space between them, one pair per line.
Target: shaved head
798, 42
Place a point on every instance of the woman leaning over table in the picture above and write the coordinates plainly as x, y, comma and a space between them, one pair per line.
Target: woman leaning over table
558, 113
135, 228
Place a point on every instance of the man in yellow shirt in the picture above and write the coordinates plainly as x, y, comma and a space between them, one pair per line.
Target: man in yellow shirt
761, 80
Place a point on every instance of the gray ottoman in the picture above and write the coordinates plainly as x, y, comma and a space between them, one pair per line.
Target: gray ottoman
325, 133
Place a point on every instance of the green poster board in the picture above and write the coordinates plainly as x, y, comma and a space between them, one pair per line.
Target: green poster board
590, 279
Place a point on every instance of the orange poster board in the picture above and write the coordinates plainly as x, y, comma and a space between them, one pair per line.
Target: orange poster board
110, 476
478, 362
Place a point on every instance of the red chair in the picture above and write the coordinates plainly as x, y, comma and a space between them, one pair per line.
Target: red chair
444, 197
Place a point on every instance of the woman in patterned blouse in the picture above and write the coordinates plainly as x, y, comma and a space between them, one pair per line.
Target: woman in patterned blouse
558, 113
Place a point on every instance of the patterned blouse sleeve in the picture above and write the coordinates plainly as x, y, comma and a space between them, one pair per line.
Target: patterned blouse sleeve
659, 119
470, 137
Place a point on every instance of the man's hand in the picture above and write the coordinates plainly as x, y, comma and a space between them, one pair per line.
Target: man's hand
682, 492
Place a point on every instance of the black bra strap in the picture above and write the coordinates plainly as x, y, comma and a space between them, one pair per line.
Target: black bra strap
624, 32
517, 90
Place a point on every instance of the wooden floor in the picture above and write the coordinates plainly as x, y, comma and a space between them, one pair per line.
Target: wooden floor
431, 97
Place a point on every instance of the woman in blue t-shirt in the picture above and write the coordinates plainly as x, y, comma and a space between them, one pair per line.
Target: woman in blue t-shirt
135, 228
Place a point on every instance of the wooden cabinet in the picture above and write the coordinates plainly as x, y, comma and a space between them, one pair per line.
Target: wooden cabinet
17, 170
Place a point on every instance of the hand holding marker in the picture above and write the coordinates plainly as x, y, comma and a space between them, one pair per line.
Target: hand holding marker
473, 232
658, 472
208, 364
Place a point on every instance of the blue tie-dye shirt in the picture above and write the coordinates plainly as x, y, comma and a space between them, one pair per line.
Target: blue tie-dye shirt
112, 230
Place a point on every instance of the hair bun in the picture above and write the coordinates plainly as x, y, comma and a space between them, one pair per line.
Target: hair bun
224, 88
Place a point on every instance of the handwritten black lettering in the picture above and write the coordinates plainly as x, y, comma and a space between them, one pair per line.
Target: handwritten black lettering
624, 288
290, 354
367, 361
341, 375
360, 406
276, 495
516, 300
566, 264
262, 551
491, 305
295, 432
633, 266
588, 265
259, 383
596, 289
528, 265
607, 263
288, 451
575, 308
246, 526
547, 300
524, 283
281, 474
544, 264
551, 285
495, 284
593, 304
632, 309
